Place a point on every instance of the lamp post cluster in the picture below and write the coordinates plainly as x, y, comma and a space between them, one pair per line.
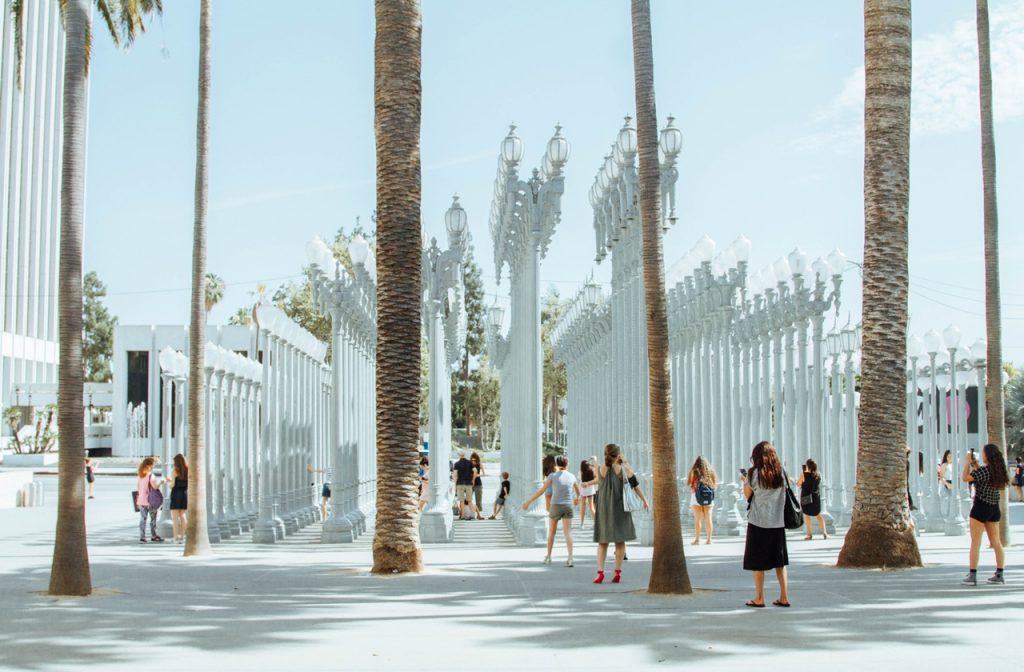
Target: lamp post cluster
523, 217
937, 421
292, 415
350, 298
444, 320
233, 388
581, 340
841, 403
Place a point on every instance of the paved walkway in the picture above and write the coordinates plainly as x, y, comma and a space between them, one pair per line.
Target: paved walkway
482, 603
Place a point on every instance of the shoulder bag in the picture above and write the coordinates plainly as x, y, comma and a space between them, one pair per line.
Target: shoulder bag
792, 517
630, 500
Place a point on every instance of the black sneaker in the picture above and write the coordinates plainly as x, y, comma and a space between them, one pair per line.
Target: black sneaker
157, 539
996, 579
142, 540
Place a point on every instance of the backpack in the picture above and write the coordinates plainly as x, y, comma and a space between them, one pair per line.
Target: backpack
704, 494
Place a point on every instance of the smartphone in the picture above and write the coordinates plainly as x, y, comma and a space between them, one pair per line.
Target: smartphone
743, 472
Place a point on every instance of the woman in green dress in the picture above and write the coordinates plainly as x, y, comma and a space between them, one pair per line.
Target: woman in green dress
612, 523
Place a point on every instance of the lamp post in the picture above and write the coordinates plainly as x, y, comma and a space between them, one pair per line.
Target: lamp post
955, 523
444, 322
523, 217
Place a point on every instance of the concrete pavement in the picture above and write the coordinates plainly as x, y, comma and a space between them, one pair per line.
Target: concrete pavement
482, 603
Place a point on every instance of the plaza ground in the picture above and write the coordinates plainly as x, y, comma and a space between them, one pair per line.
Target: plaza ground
482, 603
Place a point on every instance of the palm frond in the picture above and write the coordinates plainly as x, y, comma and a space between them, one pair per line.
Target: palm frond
108, 18
17, 18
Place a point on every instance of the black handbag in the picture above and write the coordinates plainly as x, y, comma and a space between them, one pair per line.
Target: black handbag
792, 516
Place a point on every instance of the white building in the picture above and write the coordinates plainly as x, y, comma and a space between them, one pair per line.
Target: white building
136, 379
30, 162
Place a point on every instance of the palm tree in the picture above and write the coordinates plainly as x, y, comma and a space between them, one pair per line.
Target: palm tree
214, 289
197, 537
668, 564
69, 573
993, 311
397, 99
882, 532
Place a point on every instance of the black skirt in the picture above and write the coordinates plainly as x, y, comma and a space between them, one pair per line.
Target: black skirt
179, 499
765, 548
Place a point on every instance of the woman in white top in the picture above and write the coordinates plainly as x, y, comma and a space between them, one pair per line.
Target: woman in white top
587, 493
764, 487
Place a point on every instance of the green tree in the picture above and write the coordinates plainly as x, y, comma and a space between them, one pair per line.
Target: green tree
70, 574
462, 390
668, 564
882, 531
1013, 414
213, 291
197, 535
398, 91
98, 327
555, 384
242, 317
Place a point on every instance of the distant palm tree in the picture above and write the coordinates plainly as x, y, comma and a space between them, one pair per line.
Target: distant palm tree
882, 532
668, 564
993, 310
214, 288
69, 574
207, 290
397, 105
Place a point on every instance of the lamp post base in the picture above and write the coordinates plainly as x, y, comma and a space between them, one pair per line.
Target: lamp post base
956, 526
934, 520
437, 526
263, 531
337, 530
212, 530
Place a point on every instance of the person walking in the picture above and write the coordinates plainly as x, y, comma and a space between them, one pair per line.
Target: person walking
1018, 479
702, 480
810, 498
586, 475
90, 477
148, 499
547, 467
478, 483
503, 492
563, 486
764, 487
988, 480
612, 523
424, 481
179, 497
325, 489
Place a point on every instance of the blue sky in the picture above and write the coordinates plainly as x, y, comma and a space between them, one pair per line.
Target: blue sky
769, 97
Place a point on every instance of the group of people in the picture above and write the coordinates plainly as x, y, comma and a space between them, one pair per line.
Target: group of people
149, 498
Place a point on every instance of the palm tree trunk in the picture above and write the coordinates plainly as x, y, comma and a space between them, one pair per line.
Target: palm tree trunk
197, 536
397, 99
882, 532
668, 563
69, 574
993, 311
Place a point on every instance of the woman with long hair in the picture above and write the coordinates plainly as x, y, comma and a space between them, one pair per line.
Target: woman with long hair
1018, 479
765, 488
547, 467
586, 494
810, 497
145, 486
702, 480
612, 523
424, 481
988, 480
179, 497
478, 483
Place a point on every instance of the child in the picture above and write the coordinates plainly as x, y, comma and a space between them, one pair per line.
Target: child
503, 491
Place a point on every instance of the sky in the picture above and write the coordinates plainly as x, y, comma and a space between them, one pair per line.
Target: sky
769, 97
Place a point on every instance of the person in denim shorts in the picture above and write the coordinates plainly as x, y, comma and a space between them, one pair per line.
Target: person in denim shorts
565, 494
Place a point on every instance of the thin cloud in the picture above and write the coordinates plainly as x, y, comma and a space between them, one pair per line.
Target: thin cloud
944, 94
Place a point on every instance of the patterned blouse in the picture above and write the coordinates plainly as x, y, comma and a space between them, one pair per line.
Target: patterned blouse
983, 489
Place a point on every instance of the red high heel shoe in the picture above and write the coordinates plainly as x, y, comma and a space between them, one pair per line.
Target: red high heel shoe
618, 576
600, 577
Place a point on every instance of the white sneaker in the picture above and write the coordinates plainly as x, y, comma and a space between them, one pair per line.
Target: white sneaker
547, 560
